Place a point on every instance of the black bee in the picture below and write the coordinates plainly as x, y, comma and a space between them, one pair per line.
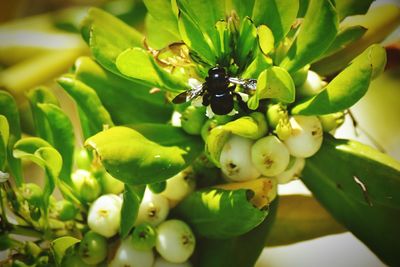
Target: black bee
217, 91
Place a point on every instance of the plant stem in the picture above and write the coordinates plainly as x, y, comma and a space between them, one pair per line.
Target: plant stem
25, 231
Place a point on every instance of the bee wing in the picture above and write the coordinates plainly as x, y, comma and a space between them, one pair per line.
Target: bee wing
189, 94
248, 84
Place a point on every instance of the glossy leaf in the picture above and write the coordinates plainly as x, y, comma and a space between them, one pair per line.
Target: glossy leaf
313, 38
88, 102
132, 197
347, 87
167, 135
379, 27
36, 96
300, 218
43, 154
130, 157
241, 251
107, 37
351, 7
205, 210
126, 101
60, 245
162, 11
278, 15
63, 138
265, 39
140, 65
8, 108
359, 187
274, 82
195, 39
253, 127
345, 37
4, 135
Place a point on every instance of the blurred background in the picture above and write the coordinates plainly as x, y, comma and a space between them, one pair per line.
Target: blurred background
40, 40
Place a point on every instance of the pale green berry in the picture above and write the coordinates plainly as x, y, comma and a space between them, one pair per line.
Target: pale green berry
270, 156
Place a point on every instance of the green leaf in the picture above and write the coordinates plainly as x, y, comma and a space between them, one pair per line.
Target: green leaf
195, 39
347, 87
223, 42
359, 186
126, 101
140, 65
242, 8
130, 206
9, 109
300, 218
379, 27
274, 82
43, 154
158, 35
36, 96
246, 42
88, 102
205, 13
130, 157
167, 135
63, 138
260, 63
4, 135
278, 15
265, 39
253, 127
162, 11
241, 251
60, 245
213, 213
351, 7
313, 38
345, 37
108, 36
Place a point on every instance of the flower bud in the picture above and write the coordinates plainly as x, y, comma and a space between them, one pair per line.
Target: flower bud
192, 119
66, 210
86, 185
312, 86
32, 193
275, 113
331, 121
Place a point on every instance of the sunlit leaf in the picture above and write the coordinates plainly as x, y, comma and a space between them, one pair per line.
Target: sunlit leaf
126, 101
108, 36
278, 15
140, 65
313, 38
132, 158
4, 135
274, 82
205, 210
347, 87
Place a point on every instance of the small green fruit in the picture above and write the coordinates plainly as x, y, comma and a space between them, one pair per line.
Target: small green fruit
93, 248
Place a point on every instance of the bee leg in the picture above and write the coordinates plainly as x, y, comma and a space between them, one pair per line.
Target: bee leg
206, 99
241, 103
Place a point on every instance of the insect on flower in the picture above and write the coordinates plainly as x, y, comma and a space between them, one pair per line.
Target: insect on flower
218, 91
